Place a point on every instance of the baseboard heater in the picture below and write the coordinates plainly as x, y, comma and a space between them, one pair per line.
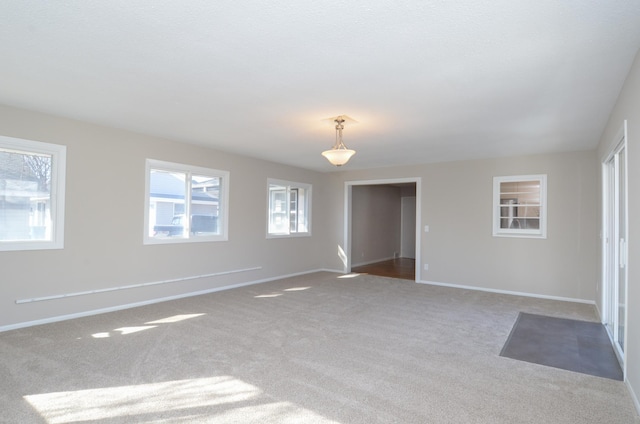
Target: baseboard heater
133, 286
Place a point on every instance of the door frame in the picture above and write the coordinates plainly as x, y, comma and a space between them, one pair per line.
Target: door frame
405, 230
348, 193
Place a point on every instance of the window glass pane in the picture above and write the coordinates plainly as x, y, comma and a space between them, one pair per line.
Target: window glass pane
528, 211
520, 187
185, 203
167, 192
508, 212
205, 205
293, 210
533, 199
25, 196
507, 187
288, 208
301, 214
519, 199
520, 208
278, 210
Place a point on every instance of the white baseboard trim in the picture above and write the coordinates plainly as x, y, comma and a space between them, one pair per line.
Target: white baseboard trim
372, 262
598, 313
148, 302
636, 403
249, 283
334, 271
509, 292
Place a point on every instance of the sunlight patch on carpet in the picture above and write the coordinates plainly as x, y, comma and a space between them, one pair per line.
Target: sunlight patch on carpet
136, 329
175, 318
226, 398
123, 331
351, 275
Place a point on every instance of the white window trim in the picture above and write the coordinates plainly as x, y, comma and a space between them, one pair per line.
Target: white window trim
307, 188
520, 232
223, 199
58, 181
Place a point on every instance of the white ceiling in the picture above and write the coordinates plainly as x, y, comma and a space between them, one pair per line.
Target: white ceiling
427, 80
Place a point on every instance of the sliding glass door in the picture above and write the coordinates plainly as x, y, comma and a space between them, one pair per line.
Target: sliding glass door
615, 245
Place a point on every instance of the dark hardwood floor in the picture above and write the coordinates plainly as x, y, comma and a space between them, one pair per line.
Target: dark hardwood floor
404, 268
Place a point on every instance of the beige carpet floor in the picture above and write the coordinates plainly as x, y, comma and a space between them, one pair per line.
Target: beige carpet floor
310, 349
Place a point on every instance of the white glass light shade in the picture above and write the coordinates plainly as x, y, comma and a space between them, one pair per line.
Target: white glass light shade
338, 157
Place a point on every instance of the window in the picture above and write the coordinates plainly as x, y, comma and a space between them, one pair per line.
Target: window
185, 203
32, 180
520, 206
289, 209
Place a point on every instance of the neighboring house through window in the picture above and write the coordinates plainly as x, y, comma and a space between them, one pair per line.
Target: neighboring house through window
32, 182
185, 203
289, 210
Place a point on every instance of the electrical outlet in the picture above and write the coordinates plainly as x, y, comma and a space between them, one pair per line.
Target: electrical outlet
426, 267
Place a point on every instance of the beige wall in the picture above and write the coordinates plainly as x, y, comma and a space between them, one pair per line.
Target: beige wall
628, 108
460, 248
104, 225
104, 220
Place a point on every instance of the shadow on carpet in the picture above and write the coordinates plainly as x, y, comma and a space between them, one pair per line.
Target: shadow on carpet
572, 345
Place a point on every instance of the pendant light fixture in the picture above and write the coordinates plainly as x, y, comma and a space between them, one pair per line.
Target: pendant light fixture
338, 155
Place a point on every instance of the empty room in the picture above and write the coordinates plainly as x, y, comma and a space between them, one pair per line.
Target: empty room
307, 212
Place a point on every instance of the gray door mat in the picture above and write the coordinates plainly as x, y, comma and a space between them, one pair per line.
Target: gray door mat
572, 345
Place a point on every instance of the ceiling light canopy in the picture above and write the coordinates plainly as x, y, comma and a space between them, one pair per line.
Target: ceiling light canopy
338, 155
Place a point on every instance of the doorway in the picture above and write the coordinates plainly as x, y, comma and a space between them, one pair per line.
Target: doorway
614, 244
382, 218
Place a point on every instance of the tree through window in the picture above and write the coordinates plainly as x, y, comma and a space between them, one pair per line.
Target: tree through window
32, 176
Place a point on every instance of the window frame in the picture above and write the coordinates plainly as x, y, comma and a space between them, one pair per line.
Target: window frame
541, 232
223, 201
307, 204
58, 155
